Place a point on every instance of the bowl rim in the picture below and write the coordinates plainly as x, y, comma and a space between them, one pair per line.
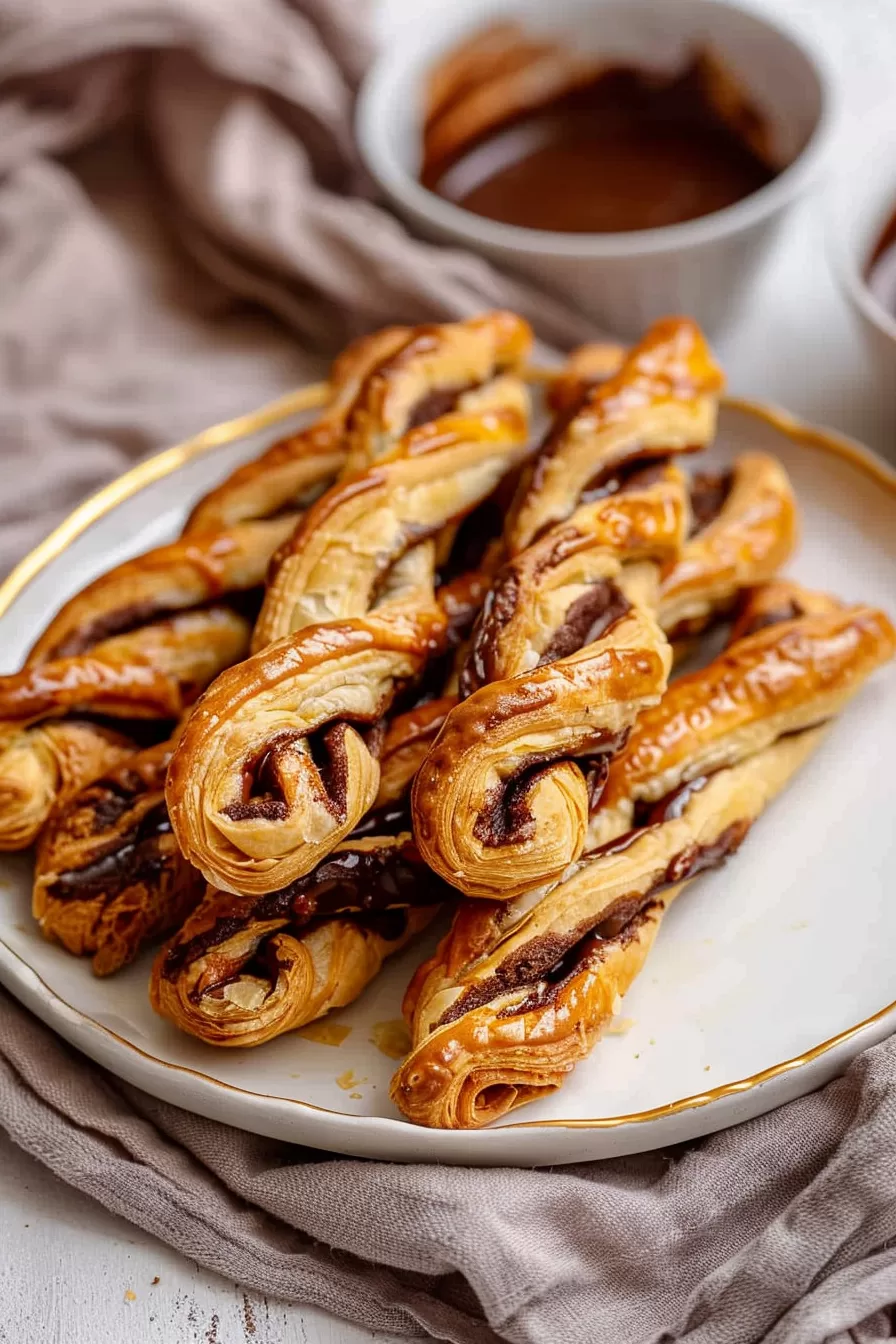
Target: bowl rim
413, 49
848, 257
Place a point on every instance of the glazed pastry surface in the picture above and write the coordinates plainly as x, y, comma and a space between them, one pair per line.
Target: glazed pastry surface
242, 970
568, 651
274, 768
109, 875
518, 991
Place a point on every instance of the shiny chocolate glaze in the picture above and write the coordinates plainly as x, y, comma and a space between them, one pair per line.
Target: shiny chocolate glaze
130, 858
358, 883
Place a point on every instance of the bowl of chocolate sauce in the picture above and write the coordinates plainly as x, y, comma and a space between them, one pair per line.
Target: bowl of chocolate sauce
634, 156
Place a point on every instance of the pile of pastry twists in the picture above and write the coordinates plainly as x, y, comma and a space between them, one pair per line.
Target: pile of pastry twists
413, 658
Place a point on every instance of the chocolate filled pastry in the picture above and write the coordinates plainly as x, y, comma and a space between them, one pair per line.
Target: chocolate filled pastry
273, 769
519, 991
567, 651
744, 527
243, 970
153, 672
45, 765
109, 875
294, 471
224, 551
459, 366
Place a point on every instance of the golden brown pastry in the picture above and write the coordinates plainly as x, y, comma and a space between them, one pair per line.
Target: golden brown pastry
518, 991
585, 367
744, 527
273, 770
343, 550
85, 649
516, 996
293, 472
567, 651
152, 672
459, 366
794, 659
47, 764
188, 573
243, 970
663, 400
109, 875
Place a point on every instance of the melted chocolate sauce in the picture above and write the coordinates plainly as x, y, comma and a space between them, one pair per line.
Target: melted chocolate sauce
357, 882
708, 491
127, 860
589, 618
673, 805
625, 151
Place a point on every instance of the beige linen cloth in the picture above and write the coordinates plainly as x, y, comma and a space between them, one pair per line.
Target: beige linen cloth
184, 231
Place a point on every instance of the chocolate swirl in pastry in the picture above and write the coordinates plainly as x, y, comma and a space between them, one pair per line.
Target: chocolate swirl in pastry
459, 366
294, 471
517, 994
243, 970
272, 770
567, 651
188, 573
109, 875
744, 527
518, 991
794, 659
662, 400
153, 672
47, 764
84, 651
342, 551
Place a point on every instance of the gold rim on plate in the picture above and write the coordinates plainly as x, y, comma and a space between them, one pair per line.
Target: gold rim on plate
310, 397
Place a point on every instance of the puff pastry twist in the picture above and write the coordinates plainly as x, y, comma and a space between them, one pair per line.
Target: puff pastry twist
568, 651
243, 970
109, 875
225, 549
273, 769
518, 992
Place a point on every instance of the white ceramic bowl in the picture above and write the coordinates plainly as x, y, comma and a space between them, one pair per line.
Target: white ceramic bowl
622, 280
859, 209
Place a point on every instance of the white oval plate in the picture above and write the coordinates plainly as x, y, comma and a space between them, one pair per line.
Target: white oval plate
766, 979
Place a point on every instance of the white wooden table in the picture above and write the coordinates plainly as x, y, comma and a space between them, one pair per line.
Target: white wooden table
795, 346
